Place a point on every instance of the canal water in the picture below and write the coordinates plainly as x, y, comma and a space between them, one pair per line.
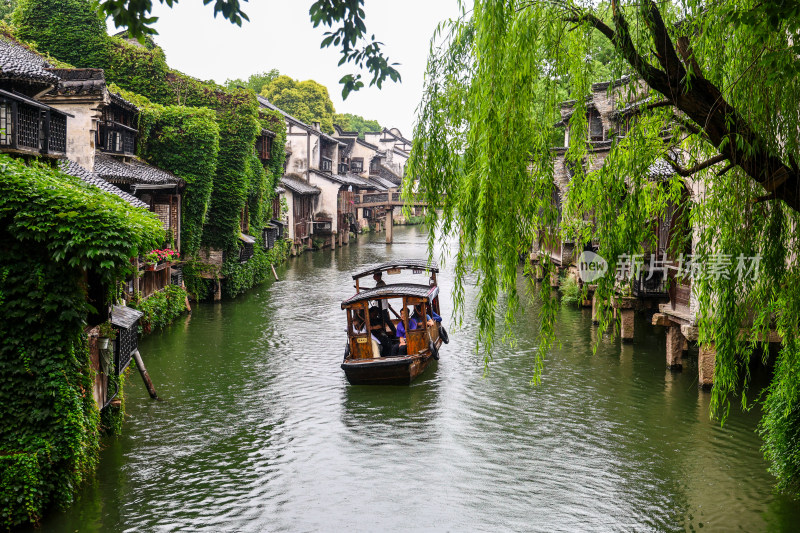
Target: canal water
260, 431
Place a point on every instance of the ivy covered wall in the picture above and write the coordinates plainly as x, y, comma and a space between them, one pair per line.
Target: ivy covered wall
184, 141
53, 230
69, 30
200, 131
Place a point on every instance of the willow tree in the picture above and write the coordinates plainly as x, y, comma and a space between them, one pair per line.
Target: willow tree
722, 105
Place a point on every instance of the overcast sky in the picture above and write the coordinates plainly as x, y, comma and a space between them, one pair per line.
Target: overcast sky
280, 35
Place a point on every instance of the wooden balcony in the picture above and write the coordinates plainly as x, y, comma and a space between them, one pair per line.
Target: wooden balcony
28, 126
116, 138
326, 165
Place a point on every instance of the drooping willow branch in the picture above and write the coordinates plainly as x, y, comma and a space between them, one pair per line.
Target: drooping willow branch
698, 98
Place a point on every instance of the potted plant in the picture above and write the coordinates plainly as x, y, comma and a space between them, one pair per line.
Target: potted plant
155, 257
106, 332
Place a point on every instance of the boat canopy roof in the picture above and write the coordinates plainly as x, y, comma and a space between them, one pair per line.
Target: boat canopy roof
407, 264
398, 290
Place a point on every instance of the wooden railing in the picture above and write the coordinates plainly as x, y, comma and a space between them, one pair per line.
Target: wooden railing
326, 164
370, 198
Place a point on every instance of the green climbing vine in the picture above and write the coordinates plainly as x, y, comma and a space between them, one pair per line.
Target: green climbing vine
53, 230
161, 308
184, 141
241, 276
70, 30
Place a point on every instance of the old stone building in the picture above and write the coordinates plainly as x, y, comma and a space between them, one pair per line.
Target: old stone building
102, 138
318, 183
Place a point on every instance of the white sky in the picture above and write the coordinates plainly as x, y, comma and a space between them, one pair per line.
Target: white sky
280, 35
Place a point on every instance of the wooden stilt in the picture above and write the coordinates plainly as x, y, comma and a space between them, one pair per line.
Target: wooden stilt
145, 377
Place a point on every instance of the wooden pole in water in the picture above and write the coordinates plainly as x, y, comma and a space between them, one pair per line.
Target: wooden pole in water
389, 225
273, 272
145, 377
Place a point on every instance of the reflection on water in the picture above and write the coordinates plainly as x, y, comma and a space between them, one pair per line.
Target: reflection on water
259, 430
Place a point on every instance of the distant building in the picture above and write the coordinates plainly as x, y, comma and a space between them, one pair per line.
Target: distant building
318, 183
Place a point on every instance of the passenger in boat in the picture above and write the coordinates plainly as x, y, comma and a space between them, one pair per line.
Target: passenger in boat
384, 305
401, 348
380, 330
430, 318
360, 328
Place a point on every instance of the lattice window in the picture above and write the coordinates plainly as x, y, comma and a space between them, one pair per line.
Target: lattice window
126, 343
29, 127
58, 133
595, 127
6, 124
128, 142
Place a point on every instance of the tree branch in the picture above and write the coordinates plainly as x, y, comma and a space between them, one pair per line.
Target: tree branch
698, 167
660, 103
687, 54
665, 50
726, 169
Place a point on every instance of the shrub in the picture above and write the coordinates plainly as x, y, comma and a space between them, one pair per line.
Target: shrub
570, 290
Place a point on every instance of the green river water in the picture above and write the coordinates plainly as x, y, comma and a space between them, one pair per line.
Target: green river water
260, 431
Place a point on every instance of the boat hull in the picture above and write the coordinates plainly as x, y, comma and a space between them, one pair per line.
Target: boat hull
400, 370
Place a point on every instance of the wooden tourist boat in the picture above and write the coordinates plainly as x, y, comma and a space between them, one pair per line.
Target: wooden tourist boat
375, 354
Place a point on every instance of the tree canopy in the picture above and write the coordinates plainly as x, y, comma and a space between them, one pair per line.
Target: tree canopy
308, 100
256, 81
719, 103
350, 122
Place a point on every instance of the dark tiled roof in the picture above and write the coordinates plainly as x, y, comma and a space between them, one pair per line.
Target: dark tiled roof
340, 131
399, 289
269, 105
298, 186
408, 264
125, 317
348, 143
346, 179
603, 85
391, 175
77, 81
368, 145
632, 107
397, 135
361, 183
19, 63
330, 176
120, 101
374, 184
74, 169
134, 171
383, 182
